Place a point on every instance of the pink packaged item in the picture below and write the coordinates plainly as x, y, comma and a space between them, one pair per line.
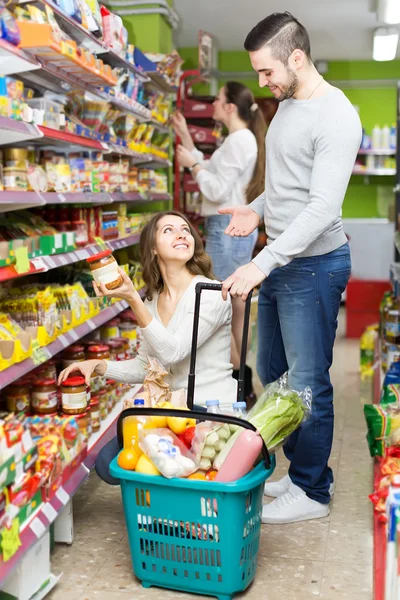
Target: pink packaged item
241, 457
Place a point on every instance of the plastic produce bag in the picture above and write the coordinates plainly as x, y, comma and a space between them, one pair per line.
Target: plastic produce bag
168, 454
278, 412
209, 440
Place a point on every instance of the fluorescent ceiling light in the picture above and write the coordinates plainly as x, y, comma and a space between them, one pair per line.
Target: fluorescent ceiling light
389, 11
385, 44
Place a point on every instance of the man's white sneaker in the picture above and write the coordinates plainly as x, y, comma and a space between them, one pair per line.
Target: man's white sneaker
274, 489
294, 505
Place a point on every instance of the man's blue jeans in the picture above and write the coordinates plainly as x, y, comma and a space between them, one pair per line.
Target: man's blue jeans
297, 320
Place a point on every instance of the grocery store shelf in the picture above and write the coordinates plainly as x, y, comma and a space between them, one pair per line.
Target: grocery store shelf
158, 81
63, 341
160, 127
377, 172
46, 263
152, 162
13, 131
116, 61
381, 152
14, 60
154, 197
69, 487
62, 138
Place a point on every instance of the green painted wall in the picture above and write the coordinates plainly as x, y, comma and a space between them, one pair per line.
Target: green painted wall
377, 105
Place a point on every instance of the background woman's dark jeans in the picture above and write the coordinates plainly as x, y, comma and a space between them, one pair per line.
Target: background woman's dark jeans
109, 452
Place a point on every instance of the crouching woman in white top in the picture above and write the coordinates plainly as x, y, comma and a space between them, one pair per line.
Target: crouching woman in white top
173, 261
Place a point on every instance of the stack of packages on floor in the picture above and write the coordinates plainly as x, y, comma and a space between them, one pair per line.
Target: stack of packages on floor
180, 447
33, 315
27, 170
45, 430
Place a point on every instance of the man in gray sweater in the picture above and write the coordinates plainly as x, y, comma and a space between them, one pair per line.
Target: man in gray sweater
311, 147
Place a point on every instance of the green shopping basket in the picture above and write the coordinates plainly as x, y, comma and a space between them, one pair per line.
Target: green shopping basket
193, 535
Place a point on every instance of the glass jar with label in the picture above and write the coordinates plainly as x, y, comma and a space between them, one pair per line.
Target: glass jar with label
117, 349
129, 331
44, 399
98, 351
83, 424
18, 396
104, 269
103, 402
110, 330
392, 329
95, 413
73, 396
46, 371
72, 354
112, 391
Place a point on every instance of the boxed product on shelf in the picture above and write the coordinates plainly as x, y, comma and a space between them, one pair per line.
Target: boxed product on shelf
15, 343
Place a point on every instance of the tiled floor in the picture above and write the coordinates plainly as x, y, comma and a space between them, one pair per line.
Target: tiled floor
328, 558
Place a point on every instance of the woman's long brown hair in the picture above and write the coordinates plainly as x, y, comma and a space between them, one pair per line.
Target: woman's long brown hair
238, 94
199, 264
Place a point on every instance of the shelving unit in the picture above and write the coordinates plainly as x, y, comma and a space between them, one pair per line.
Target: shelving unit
374, 172
68, 489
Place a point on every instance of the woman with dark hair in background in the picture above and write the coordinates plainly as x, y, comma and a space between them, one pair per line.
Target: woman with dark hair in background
234, 175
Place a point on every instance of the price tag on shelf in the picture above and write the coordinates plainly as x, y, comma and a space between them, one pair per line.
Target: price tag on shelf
63, 259
91, 324
82, 254
64, 340
49, 512
62, 496
61, 197
39, 264
37, 527
50, 262
10, 540
22, 264
73, 335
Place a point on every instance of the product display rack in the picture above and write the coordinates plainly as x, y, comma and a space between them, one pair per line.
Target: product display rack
49, 511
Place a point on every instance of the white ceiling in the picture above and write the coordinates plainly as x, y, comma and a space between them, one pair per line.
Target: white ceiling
339, 29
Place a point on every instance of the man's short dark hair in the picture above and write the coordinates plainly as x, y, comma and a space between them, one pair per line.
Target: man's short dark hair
283, 33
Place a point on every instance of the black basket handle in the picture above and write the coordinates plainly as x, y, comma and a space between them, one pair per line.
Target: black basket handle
193, 414
191, 379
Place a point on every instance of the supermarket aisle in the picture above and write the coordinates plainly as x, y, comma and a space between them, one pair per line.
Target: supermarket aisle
330, 559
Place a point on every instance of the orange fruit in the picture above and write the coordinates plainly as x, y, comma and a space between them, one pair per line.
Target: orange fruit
211, 475
197, 475
128, 458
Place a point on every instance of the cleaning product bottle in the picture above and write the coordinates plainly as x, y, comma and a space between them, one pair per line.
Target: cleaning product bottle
393, 137
131, 427
376, 138
241, 456
385, 141
213, 407
239, 410
391, 385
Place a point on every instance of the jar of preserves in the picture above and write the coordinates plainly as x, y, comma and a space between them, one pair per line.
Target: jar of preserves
89, 418
392, 329
98, 351
15, 180
95, 413
73, 396
18, 396
103, 403
72, 354
46, 371
117, 349
128, 331
104, 269
112, 391
83, 424
44, 399
81, 232
110, 330
96, 383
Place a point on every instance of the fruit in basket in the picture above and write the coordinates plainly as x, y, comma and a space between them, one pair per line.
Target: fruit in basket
179, 424
145, 466
187, 436
128, 459
199, 475
156, 423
